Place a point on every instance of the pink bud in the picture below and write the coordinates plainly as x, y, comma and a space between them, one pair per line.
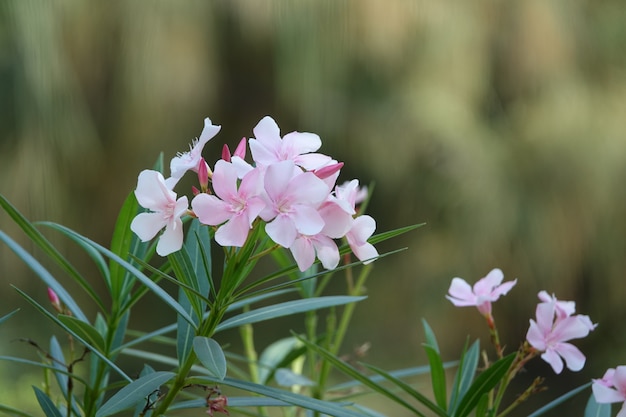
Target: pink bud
241, 149
226, 153
195, 191
328, 170
203, 175
54, 300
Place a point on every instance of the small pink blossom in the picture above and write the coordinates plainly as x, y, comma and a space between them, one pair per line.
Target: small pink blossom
166, 211
191, 159
293, 198
485, 291
362, 228
611, 388
54, 300
268, 148
305, 248
236, 207
550, 334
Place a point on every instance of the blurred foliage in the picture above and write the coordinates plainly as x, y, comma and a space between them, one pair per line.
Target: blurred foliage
500, 124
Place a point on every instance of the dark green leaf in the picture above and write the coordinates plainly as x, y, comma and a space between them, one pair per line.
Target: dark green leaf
440, 411
134, 393
483, 384
46, 404
437, 373
210, 354
85, 330
285, 309
464, 375
121, 242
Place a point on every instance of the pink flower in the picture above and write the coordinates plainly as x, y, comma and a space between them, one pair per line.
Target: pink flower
611, 388
238, 207
166, 212
292, 197
191, 160
551, 332
485, 291
268, 148
362, 228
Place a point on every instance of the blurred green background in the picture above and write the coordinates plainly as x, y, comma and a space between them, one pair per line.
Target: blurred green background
502, 125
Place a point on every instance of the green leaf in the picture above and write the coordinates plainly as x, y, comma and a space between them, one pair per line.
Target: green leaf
14, 411
437, 373
210, 354
483, 384
593, 409
353, 373
45, 276
185, 273
46, 404
8, 316
554, 403
121, 242
464, 375
43, 243
437, 409
85, 330
134, 393
286, 309
325, 407
158, 291
274, 355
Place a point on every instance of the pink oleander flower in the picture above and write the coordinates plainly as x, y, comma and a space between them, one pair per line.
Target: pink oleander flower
268, 148
362, 228
485, 291
551, 332
611, 388
236, 207
292, 200
191, 159
166, 211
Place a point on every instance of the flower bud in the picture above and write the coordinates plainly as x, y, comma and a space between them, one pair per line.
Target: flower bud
203, 175
54, 300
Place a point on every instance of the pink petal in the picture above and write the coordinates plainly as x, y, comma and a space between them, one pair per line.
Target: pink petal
306, 220
171, 240
234, 232
554, 360
277, 178
301, 142
282, 230
619, 378
307, 188
536, 337
365, 253
461, 294
210, 209
147, 225
485, 285
362, 228
303, 252
545, 316
502, 289
606, 395
225, 180
327, 251
312, 161
573, 357
336, 221
151, 191
570, 328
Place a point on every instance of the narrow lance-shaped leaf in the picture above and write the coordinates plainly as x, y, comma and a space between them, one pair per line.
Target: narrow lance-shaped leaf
134, 393
85, 330
210, 354
594, 409
285, 309
556, 402
483, 384
464, 375
46, 404
8, 316
437, 373
45, 276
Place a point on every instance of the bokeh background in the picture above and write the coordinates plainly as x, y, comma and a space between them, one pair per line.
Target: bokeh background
502, 125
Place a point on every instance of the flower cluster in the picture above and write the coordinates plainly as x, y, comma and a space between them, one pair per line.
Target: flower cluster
288, 186
555, 324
